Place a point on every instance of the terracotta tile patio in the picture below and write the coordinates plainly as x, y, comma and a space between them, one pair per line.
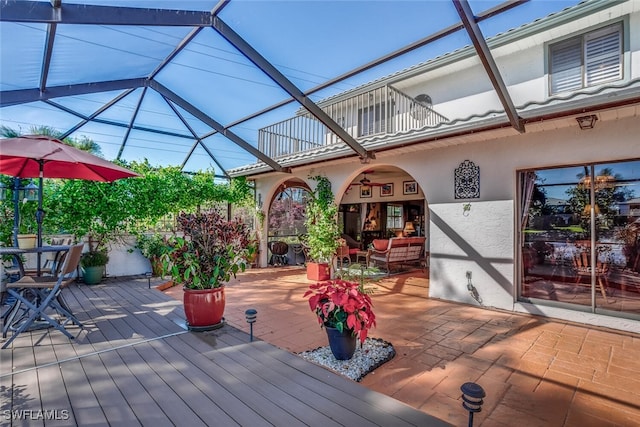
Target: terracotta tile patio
536, 371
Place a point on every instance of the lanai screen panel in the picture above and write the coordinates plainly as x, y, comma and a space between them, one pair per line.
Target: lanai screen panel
320, 48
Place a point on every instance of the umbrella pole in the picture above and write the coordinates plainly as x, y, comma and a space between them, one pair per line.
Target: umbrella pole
40, 214
16, 210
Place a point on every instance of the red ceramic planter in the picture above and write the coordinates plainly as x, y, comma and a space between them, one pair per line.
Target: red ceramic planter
204, 308
318, 272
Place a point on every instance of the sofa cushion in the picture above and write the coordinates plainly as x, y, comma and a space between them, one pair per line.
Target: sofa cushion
380, 244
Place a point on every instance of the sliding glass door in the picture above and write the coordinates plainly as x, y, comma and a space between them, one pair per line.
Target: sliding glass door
580, 236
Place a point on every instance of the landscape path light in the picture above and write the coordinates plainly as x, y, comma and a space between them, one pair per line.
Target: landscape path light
251, 315
472, 395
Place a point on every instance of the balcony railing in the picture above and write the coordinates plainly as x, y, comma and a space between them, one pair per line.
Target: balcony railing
380, 111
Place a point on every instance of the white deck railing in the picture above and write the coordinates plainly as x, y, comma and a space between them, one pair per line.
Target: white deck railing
384, 110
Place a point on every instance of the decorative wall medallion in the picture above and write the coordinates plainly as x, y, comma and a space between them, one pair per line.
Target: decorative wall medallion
467, 181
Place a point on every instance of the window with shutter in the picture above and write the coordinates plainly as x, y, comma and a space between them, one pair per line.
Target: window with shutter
603, 56
587, 60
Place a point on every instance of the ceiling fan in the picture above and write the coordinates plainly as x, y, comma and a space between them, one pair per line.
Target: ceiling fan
366, 181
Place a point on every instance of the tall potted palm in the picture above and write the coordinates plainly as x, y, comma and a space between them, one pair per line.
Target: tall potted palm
323, 233
210, 252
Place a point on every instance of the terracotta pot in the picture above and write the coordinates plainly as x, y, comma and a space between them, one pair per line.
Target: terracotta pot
204, 308
342, 344
156, 266
318, 271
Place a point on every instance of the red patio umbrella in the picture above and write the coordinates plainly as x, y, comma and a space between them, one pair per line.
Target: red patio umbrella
35, 156
42, 156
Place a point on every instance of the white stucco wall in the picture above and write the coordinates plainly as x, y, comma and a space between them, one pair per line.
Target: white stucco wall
483, 241
122, 262
479, 241
462, 89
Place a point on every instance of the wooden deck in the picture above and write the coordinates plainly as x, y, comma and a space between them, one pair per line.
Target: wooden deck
135, 364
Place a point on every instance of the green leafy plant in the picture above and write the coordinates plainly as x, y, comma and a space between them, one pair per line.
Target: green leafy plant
212, 250
342, 305
323, 233
152, 247
94, 259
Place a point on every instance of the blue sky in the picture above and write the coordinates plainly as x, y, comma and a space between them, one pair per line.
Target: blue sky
309, 41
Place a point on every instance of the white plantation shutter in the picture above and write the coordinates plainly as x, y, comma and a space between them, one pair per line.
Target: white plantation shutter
603, 56
588, 60
566, 66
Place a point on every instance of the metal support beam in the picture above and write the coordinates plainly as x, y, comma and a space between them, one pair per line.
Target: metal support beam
185, 41
198, 140
22, 96
125, 138
502, 7
471, 25
200, 115
88, 14
48, 48
250, 53
96, 113
46, 56
114, 123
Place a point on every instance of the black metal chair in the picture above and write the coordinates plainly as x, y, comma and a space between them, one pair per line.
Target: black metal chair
35, 295
279, 251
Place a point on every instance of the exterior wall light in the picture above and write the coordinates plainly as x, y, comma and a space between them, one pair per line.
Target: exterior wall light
587, 122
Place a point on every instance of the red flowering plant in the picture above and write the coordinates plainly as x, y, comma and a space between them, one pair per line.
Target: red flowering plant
212, 250
342, 305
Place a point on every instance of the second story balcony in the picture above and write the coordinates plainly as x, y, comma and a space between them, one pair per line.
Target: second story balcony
378, 112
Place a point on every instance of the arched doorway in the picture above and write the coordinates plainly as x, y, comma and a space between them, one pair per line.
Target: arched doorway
285, 223
383, 202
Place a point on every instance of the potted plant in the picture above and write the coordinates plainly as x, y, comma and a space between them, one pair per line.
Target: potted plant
345, 310
323, 233
93, 263
152, 247
27, 225
210, 252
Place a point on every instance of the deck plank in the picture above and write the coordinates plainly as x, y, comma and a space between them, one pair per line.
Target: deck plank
86, 407
238, 390
376, 407
134, 364
300, 407
237, 409
279, 376
144, 409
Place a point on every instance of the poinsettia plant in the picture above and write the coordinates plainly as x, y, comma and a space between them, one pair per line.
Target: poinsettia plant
342, 305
